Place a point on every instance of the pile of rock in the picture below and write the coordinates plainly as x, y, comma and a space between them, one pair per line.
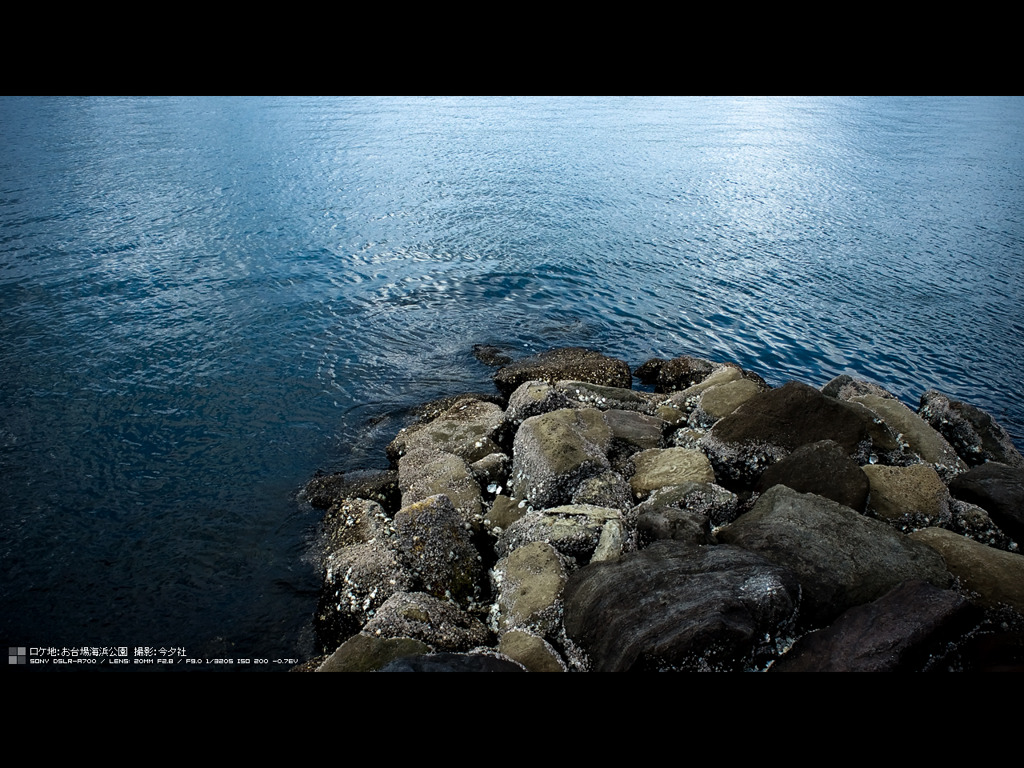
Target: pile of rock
715, 523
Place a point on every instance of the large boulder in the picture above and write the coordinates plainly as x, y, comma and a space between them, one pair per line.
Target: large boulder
441, 624
905, 630
554, 452
660, 468
910, 497
823, 468
999, 490
470, 428
574, 363
842, 558
973, 433
771, 425
528, 583
681, 607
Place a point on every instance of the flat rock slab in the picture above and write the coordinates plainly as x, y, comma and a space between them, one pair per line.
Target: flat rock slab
842, 558
574, 363
678, 606
898, 632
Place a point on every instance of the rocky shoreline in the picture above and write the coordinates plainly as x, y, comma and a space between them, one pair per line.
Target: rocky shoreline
573, 523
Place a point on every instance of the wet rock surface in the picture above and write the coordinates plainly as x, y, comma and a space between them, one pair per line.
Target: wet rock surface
715, 524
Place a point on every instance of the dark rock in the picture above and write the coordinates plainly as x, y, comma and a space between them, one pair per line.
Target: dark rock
846, 387
647, 373
772, 424
973, 433
902, 631
999, 490
490, 355
705, 502
842, 558
678, 373
324, 490
573, 363
823, 468
632, 432
678, 606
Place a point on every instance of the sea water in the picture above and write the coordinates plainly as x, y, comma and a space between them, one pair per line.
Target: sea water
203, 301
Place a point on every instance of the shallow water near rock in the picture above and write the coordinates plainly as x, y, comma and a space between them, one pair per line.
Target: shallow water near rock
204, 301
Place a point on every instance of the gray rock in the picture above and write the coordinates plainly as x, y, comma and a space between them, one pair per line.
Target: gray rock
528, 585
353, 521
439, 623
573, 529
605, 490
426, 472
358, 579
973, 433
677, 606
435, 543
583, 394
842, 558
902, 631
470, 429
846, 387
573, 363
532, 398
554, 452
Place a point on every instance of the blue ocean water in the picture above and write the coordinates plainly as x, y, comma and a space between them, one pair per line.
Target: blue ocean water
205, 300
